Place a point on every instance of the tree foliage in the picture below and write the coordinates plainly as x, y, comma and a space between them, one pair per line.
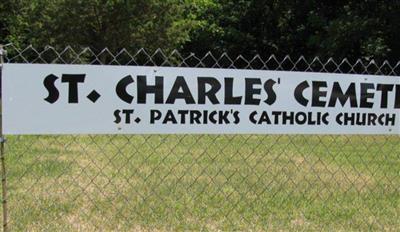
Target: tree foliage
100, 23
340, 28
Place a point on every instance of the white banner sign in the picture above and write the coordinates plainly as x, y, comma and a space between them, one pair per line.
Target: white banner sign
90, 99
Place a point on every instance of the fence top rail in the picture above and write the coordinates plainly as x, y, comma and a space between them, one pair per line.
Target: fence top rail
175, 58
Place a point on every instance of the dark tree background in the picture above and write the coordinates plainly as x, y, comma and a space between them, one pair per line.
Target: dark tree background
368, 29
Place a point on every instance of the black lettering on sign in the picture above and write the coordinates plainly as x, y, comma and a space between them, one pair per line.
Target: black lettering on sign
223, 117
391, 119
195, 117
366, 119
143, 89
210, 116
349, 95
385, 89
251, 91
154, 116
268, 87
128, 114
299, 93
365, 95
397, 98
121, 91
183, 114
214, 85
289, 118
169, 118
73, 80
236, 117
49, 83
318, 93
176, 93
117, 116
229, 98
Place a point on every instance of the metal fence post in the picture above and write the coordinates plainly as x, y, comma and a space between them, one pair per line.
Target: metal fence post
2, 157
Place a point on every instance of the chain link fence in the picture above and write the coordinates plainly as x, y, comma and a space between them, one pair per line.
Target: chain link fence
201, 182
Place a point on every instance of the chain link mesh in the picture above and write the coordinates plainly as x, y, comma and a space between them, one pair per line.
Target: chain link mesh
202, 182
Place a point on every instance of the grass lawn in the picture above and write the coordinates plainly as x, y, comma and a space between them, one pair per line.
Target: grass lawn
203, 182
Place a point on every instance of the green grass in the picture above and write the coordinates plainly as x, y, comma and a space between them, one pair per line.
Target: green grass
203, 182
